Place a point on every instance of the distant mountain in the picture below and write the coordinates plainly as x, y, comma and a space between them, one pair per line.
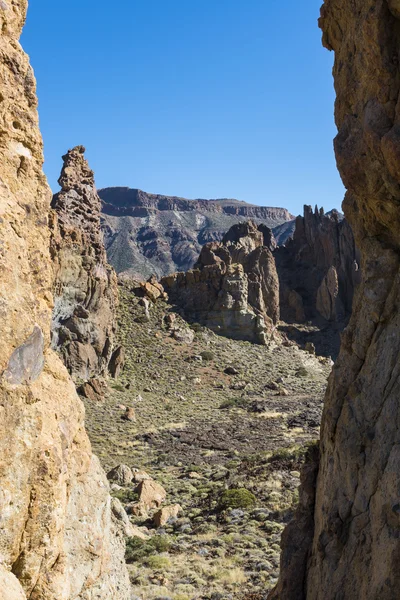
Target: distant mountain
149, 233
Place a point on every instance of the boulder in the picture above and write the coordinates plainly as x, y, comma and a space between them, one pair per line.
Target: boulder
151, 493
162, 516
117, 362
122, 475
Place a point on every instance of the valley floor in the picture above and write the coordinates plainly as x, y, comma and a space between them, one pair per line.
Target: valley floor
200, 431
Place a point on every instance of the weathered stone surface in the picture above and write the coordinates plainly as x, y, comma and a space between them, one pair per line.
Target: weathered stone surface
117, 362
149, 233
56, 530
322, 250
162, 516
234, 288
86, 291
354, 545
27, 361
151, 493
122, 474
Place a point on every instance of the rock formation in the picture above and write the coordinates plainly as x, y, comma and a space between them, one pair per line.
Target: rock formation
148, 234
86, 291
350, 548
56, 531
234, 287
318, 268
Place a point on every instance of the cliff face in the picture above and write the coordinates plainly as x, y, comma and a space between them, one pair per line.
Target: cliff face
56, 534
85, 285
320, 265
148, 233
234, 287
355, 544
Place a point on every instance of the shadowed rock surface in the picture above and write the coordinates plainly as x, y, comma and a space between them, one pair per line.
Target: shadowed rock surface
57, 539
318, 269
354, 549
148, 234
86, 291
234, 287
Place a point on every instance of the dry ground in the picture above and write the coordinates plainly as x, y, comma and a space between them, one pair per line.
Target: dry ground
199, 432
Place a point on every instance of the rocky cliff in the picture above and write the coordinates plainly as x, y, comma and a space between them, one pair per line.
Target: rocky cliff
56, 533
318, 268
348, 545
86, 292
234, 287
149, 234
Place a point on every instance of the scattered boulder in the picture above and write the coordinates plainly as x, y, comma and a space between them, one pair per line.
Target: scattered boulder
140, 476
122, 475
121, 516
93, 390
231, 371
183, 335
162, 516
153, 289
117, 362
151, 493
130, 414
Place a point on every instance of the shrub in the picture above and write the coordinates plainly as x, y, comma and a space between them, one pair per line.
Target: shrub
236, 498
137, 549
207, 355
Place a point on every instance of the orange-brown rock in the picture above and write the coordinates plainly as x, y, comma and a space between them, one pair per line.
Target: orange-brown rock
162, 516
151, 493
234, 287
57, 539
86, 294
351, 546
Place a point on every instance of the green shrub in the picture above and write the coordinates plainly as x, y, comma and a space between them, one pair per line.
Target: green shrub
236, 498
137, 549
207, 356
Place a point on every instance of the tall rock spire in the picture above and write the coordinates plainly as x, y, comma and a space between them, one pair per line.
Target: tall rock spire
86, 295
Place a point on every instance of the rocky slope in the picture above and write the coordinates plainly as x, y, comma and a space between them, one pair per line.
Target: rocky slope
57, 539
318, 268
149, 234
344, 543
234, 287
222, 425
85, 295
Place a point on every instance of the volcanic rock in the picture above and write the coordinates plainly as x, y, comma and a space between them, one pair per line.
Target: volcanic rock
347, 546
57, 533
318, 269
234, 288
86, 292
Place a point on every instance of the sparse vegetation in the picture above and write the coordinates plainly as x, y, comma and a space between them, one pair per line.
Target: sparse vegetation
198, 432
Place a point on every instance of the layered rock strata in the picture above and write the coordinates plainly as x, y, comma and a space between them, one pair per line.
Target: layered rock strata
354, 535
86, 293
148, 234
57, 538
318, 268
234, 287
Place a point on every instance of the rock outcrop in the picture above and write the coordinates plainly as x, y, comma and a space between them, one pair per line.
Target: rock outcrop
354, 544
56, 531
148, 234
318, 268
234, 287
86, 294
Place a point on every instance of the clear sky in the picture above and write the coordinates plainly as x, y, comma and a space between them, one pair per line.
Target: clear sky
194, 98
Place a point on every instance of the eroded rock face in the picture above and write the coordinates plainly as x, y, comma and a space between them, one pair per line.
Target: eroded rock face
234, 288
355, 545
86, 291
321, 265
56, 530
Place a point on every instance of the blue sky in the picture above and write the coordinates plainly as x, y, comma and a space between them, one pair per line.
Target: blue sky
195, 98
